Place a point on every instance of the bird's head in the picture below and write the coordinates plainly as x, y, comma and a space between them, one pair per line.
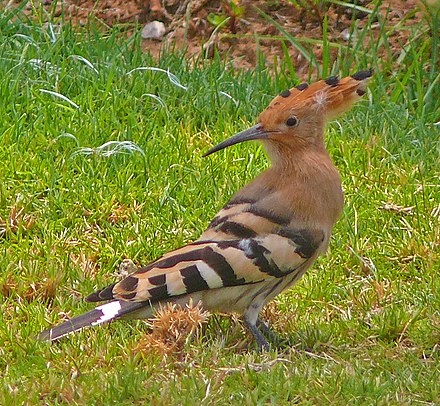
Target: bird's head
296, 117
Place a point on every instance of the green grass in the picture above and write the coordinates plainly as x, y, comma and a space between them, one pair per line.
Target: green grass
365, 321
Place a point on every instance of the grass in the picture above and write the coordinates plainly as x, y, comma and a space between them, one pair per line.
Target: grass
101, 161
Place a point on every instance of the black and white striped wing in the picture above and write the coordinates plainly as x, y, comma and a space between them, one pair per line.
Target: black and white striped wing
206, 265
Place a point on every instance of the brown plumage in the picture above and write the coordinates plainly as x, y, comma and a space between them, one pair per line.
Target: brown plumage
266, 236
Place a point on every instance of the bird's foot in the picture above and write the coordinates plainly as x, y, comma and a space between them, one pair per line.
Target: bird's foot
278, 341
265, 337
261, 341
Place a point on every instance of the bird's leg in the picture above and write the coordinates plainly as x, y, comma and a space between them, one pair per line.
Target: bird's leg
262, 343
251, 319
270, 334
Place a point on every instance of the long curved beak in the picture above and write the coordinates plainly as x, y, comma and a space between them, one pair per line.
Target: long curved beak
254, 133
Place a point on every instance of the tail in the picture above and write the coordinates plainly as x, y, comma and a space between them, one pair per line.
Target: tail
101, 314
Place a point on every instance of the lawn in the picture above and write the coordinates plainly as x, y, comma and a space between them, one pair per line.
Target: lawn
101, 160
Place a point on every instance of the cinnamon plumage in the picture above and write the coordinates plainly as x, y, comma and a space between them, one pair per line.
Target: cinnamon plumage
266, 236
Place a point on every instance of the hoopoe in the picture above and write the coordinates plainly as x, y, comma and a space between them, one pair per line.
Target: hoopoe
266, 236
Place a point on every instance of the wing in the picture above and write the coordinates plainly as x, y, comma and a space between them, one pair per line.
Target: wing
214, 264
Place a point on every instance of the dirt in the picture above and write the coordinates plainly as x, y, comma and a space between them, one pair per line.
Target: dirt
191, 25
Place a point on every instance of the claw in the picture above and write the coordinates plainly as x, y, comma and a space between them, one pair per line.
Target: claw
273, 337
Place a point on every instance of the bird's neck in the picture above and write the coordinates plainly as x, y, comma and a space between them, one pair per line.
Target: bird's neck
302, 181
296, 155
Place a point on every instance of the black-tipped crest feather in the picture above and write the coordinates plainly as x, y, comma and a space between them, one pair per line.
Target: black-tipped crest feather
363, 74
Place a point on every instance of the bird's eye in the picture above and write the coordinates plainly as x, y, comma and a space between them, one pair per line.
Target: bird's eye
292, 121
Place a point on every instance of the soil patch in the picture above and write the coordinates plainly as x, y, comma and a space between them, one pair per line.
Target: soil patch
236, 29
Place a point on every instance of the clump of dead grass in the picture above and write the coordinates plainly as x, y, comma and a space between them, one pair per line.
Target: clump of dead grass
16, 220
44, 290
8, 286
172, 328
87, 263
121, 213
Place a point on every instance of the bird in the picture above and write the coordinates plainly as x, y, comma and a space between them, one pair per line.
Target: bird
267, 235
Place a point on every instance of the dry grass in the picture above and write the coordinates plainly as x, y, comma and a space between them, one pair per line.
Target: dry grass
16, 221
173, 327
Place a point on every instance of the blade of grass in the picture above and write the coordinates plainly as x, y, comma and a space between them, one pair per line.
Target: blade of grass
60, 96
350, 5
307, 55
326, 57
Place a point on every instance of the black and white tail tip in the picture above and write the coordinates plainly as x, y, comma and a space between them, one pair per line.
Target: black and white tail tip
101, 314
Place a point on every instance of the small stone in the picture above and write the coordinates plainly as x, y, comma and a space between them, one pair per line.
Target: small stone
345, 34
154, 30
126, 267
